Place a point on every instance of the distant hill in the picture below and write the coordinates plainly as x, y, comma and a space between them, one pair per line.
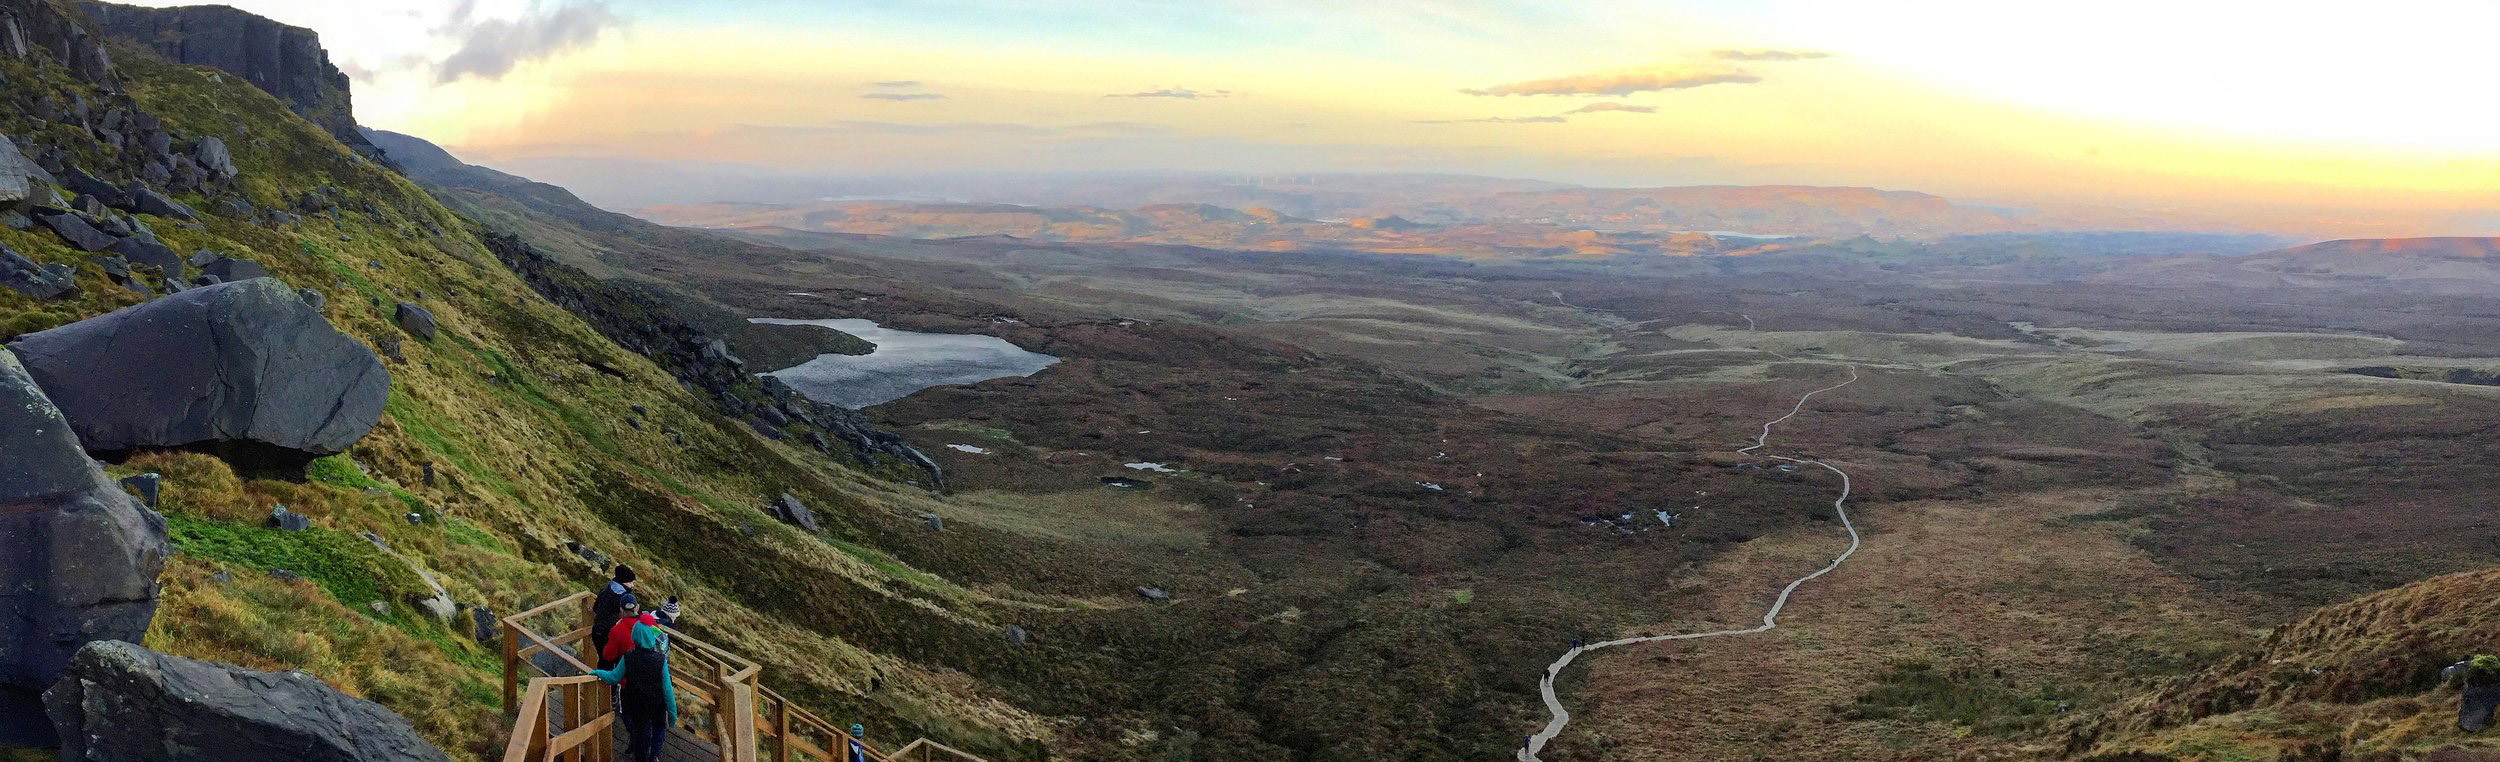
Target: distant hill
2434, 248
2415, 265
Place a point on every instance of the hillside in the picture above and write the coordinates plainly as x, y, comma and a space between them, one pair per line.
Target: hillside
519, 449
2357, 680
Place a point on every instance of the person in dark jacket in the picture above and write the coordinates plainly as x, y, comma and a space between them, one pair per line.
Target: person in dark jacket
2480, 674
604, 609
648, 698
857, 750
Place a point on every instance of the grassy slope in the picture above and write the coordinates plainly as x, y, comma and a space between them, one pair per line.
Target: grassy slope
530, 447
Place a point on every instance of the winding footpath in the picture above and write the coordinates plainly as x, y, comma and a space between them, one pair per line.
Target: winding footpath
1770, 619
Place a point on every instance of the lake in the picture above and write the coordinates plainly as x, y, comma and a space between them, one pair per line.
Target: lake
904, 362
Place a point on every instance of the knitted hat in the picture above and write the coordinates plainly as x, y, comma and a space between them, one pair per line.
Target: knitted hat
669, 609
858, 730
625, 574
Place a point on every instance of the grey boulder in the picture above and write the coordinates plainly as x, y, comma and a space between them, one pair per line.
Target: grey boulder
789, 510
124, 703
212, 155
245, 368
229, 269
80, 558
145, 201
75, 230
417, 321
18, 174
41, 281
140, 251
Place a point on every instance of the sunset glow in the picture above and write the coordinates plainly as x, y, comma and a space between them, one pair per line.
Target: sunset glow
2263, 113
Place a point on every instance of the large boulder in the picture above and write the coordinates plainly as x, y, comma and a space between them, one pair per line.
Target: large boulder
246, 369
417, 321
789, 510
229, 270
41, 281
124, 703
74, 230
79, 558
146, 201
212, 155
18, 174
140, 251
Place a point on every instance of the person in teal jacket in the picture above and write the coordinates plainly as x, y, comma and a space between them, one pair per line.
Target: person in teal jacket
648, 698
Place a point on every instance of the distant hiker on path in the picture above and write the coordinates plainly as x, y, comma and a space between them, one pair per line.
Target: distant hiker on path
2481, 676
604, 609
648, 699
858, 749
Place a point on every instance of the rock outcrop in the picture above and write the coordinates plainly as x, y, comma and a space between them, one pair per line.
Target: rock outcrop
285, 61
78, 556
246, 369
123, 703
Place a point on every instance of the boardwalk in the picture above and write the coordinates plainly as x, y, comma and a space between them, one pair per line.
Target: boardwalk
680, 745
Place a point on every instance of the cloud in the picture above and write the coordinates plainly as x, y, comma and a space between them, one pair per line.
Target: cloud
1625, 83
1182, 93
1499, 120
897, 84
904, 96
857, 127
1767, 55
490, 48
1625, 107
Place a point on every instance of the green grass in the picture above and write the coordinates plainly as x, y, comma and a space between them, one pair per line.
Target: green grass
1969, 697
342, 565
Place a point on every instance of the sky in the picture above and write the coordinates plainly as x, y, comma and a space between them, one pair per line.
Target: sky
2351, 118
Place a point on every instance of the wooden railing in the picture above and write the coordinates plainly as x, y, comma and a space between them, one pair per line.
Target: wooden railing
739, 715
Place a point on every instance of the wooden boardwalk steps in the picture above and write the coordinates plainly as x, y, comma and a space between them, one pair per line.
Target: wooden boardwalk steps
724, 712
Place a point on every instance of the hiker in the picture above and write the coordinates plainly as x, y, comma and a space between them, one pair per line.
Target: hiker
2480, 675
620, 637
603, 610
858, 749
648, 700
667, 618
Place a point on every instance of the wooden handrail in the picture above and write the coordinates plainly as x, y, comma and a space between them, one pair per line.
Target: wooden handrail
533, 737
930, 749
741, 705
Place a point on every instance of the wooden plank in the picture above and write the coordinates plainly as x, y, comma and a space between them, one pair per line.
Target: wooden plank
529, 725
574, 738
550, 606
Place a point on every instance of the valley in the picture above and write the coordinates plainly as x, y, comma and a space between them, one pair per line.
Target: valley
1183, 464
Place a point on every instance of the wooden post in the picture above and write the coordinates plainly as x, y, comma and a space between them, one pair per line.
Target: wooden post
781, 731
511, 670
601, 696
723, 712
590, 625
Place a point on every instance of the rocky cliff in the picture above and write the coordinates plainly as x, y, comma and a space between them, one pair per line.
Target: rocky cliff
286, 61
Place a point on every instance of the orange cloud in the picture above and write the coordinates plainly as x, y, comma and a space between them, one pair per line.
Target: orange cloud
1625, 83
